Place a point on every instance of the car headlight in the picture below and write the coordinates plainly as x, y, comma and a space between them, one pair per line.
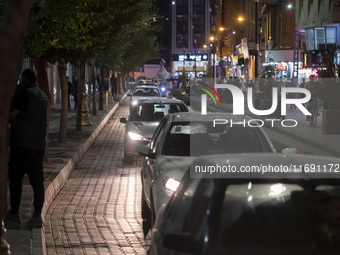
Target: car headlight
171, 184
163, 89
135, 136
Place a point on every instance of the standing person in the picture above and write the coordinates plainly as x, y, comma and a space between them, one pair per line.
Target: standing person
28, 119
291, 84
74, 91
69, 89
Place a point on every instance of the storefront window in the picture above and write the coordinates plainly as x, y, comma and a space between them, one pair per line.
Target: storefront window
310, 39
320, 40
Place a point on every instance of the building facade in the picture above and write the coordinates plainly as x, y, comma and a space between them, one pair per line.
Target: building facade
275, 36
319, 23
190, 37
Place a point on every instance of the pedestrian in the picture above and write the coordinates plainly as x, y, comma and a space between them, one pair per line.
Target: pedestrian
74, 91
291, 84
69, 89
28, 123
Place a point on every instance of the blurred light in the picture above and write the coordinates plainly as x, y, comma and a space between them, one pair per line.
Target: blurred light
221, 28
205, 46
135, 136
173, 2
172, 184
134, 102
289, 6
212, 38
163, 89
240, 19
250, 198
234, 32
277, 189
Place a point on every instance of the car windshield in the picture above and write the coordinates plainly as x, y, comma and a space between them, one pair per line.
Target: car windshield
280, 217
146, 92
200, 138
154, 112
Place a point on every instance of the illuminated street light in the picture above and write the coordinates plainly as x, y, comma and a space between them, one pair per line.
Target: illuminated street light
289, 6
240, 19
212, 38
173, 2
221, 28
205, 46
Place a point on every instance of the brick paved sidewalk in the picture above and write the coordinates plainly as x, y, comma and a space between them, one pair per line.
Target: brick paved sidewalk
98, 209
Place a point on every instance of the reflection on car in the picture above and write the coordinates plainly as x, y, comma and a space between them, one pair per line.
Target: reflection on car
217, 216
144, 119
181, 136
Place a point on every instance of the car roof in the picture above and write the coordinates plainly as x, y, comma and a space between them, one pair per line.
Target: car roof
159, 100
197, 116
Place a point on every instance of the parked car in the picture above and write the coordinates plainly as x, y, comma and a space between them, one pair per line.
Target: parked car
144, 118
181, 137
144, 92
267, 216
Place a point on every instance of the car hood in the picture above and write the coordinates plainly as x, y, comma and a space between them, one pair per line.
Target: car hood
144, 128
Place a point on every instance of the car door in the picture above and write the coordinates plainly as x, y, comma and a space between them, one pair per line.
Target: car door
148, 169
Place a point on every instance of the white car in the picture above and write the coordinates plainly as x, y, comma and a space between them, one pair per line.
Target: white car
144, 92
143, 120
296, 212
177, 140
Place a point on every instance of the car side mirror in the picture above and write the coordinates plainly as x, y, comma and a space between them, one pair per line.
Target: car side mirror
123, 120
145, 151
182, 242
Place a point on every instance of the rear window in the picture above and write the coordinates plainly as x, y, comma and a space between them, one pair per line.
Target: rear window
154, 112
146, 92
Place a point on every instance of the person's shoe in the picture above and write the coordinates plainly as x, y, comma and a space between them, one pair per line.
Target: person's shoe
35, 222
15, 217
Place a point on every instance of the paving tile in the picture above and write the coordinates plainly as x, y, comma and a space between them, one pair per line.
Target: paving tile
97, 211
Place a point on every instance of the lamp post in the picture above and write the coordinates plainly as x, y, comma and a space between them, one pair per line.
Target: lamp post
212, 40
257, 48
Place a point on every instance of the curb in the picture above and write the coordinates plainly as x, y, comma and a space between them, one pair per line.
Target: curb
38, 244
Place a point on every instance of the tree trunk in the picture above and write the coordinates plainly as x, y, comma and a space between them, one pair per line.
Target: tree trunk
101, 90
89, 87
41, 65
80, 100
58, 90
94, 103
12, 33
52, 83
64, 104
